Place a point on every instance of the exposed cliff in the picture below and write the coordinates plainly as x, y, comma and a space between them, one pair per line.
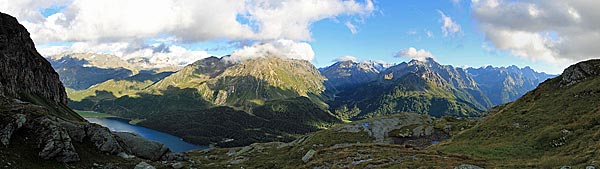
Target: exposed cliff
24, 70
35, 122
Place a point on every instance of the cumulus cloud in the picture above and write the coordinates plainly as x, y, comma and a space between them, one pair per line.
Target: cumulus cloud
124, 27
148, 56
346, 58
286, 49
554, 31
185, 20
449, 27
412, 53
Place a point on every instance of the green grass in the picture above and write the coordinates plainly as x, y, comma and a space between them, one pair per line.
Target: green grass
550, 126
92, 114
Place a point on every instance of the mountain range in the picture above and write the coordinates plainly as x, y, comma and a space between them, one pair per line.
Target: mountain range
279, 113
274, 98
346, 90
38, 130
425, 87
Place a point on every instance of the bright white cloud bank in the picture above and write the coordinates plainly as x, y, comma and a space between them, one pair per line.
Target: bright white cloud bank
555, 31
412, 53
280, 48
346, 58
101, 24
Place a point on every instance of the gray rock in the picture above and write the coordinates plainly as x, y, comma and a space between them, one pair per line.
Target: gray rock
144, 165
590, 167
308, 155
579, 72
244, 150
103, 139
467, 166
24, 70
76, 131
9, 125
177, 165
380, 127
565, 167
125, 155
53, 140
141, 147
100, 136
237, 161
170, 156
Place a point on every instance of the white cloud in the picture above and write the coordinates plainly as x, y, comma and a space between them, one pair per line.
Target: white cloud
186, 20
151, 56
449, 27
346, 58
412, 53
125, 27
351, 27
553, 31
286, 49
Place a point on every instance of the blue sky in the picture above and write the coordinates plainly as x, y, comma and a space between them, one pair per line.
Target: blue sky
389, 30
479, 32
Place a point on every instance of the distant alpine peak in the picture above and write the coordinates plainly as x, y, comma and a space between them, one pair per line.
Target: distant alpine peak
424, 60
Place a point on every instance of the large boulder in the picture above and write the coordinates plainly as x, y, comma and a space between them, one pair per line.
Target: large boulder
9, 125
140, 146
100, 136
53, 140
103, 139
579, 72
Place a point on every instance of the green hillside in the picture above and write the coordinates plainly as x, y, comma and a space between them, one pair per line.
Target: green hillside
265, 99
556, 124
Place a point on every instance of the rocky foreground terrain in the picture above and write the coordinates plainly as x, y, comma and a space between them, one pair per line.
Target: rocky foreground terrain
38, 130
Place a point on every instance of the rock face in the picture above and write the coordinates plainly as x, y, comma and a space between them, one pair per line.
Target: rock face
579, 72
100, 136
9, 125
506, 84
406, 129
33, 102
24, 70
53, 140
345, 74
141, 147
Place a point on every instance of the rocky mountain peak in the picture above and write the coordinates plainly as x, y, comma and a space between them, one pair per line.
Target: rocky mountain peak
24, 71
579, 72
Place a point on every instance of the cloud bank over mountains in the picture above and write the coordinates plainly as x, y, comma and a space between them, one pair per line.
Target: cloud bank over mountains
416, 54
554, 31
122, 26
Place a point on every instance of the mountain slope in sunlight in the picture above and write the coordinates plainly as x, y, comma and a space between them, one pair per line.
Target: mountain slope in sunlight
263, 99
424, 87
554, 125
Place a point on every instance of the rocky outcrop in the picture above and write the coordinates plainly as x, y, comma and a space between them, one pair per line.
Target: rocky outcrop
24, 70
53, 140
141, 147
100, 136
380, 128
579, 72
144, 165
10, 124
33, 102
